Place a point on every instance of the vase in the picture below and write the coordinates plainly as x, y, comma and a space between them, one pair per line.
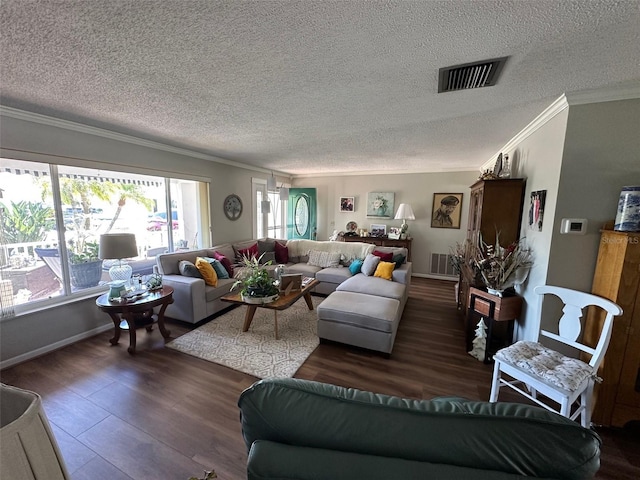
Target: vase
498, 292
279, 271
382, 212
628, 216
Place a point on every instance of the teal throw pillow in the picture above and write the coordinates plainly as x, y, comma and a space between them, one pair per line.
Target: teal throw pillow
355, 266
398, 260
220, 269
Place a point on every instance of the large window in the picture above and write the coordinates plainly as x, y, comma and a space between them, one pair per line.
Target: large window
52, 217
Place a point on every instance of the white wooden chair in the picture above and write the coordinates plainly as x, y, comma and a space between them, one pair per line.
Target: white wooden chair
565, 380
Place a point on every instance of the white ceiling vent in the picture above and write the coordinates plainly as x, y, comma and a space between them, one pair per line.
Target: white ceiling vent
470, 75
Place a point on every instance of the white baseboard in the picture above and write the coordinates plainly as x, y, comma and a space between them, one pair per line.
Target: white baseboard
54, 346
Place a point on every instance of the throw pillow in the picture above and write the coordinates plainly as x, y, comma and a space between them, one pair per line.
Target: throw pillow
188, 269
226, 263
385, 270
323, 259
370, 264
250, 252
355, 266
384, 256
221, 272
398, 260
207, 272
266, 246
282, 253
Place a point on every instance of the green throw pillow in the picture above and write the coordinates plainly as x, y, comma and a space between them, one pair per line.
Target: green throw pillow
221, 271
398, 260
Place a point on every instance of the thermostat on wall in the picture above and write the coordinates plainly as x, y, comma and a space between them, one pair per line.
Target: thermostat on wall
575, 226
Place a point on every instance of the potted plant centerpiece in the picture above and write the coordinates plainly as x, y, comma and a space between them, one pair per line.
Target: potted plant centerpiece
501, 267
256, 286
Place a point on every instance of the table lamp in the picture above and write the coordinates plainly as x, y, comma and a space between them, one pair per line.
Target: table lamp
116, 246
405, 212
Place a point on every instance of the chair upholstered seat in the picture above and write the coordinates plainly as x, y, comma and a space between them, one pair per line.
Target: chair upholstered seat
552, 367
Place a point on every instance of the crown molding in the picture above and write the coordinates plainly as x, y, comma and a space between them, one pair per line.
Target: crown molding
121, 137
380, 172
604, 95
561, 103
548, 113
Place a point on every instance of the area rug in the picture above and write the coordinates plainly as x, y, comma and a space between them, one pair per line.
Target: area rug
256, 352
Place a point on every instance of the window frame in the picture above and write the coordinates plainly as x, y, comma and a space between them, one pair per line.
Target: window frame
204, 233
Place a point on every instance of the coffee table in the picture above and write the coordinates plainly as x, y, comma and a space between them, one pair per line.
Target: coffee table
283, 302
137, 313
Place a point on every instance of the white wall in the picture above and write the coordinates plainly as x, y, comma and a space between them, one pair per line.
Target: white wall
416, 189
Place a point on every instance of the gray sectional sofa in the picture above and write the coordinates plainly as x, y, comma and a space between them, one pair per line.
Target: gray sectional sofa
360, 310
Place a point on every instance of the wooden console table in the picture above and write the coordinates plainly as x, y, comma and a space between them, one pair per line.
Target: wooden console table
383, 242
495, 309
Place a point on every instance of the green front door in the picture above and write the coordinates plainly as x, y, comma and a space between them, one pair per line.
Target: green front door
301, 218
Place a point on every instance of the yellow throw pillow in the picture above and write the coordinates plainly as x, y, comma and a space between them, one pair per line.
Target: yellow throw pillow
207, 272
385, 270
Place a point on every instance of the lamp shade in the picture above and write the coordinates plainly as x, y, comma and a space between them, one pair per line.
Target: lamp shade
117, 246
405, 212
265, 206
29, 447
284, 193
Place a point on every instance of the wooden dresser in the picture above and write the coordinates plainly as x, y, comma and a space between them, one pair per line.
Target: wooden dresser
383, 242
617, 277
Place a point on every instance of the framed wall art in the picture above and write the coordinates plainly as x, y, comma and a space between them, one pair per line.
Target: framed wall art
380, 204
378, 230
347, 204
536, 210
447, 209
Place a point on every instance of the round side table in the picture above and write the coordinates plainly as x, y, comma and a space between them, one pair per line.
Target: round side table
137, 313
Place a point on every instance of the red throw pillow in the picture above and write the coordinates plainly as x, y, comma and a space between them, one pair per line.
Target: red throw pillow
384, 257
226, 263
282, 253
250, 252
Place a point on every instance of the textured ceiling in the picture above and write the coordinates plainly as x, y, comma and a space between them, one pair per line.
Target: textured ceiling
312, 87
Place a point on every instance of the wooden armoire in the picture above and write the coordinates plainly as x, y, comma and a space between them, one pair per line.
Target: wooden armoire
617, 277
495, 206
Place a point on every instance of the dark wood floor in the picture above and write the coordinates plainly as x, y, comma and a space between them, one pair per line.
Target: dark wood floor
162, 414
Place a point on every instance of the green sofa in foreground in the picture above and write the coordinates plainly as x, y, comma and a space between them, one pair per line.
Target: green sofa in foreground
298, 429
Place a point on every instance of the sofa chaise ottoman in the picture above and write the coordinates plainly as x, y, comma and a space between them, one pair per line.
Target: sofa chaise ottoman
364, 312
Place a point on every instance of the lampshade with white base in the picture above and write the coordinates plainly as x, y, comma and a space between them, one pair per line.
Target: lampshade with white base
404, 213
116, 246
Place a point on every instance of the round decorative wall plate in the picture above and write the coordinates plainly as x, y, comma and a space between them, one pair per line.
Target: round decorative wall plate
232, 207
352, 227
